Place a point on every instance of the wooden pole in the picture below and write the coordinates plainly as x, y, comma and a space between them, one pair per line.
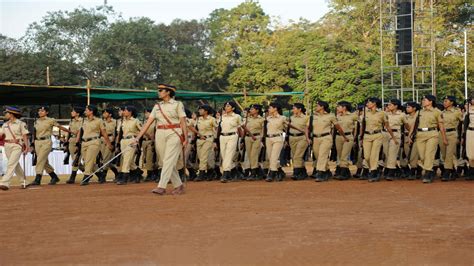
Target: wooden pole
47, 76
88, 92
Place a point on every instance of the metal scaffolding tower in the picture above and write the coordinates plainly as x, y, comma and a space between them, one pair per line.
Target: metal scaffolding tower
407, 81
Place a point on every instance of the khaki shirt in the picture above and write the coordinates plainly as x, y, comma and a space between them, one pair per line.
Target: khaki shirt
230, 123
18, 128
206, 126
430, 117
254, 124
471, 116
173, 110
276, 124
110, 127
75, 127
375, 120
396, 120
451, 117
131, 127
300, 122
44, 127
348, 121
92, 127
411, 119
322, 123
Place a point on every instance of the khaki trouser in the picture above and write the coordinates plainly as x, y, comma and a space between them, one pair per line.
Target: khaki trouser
147, 155
72, 151
298, 147
413, 160
128, 156
204, 148
321, 149
169, 148
344, 149
470, 147
89, 152
448, 152
427, 145
228, 145
274, 146
106, 154
372, 145
13, 153
42, 149
391, 150
253, 148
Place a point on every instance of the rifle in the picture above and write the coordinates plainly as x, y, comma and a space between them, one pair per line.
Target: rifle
217, 140
309, 150
263, 152
466, 122
138, 150
79, 146
33, 138
117, 145
362, 130
402, 143
355, 147
287, 148
66, 146
333, 156
244, 150
413, 134
193, 154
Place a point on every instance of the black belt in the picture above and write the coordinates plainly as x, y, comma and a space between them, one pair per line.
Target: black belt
425, 129
393, 130
471, 128
372, 132
207, 136
347, 133
450, 129
321, 135
274, 135
228, 134
254, 134
296, 134
43, 138
110, 135
129, 137
89, 139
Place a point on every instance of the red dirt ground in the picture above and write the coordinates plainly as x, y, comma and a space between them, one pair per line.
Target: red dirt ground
245, 223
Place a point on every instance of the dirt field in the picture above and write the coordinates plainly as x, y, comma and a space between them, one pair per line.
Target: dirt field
257, 223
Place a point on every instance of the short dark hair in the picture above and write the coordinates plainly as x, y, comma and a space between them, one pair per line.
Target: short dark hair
300, 106
324, 104
345, 104
277, 106
431, 98
396, 102
94, 109
375, 100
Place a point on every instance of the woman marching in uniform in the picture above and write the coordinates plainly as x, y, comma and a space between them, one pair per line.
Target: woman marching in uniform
42, 145
74, 126
411, 152
110, 125
348, 121
274, 140
253, 126
298, 140
130, 128
16, 143
228, 138
452, 116
171, 136
469, 138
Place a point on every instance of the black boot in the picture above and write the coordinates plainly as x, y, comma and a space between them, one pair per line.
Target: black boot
158, 175
225, 177
280, 175
428, 177
123, 179
132, 176
270, 176
412, 175
364, 174
102, 177
469, 174
54, 178
211, 175
315, 174
37, 181
253, 175
182, 175
72, 178
217, 171
344, 174
118, 177
296, 174
246, 173
201, 176
319, 176
419, 172
192, 174
374, 176
358, 173
337, 173
115, 171
327, 175
389, 174
405, 172
446, 175
85, 181
304, 174
260, 174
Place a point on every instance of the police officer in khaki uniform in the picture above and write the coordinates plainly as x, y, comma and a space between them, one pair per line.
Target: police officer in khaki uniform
130, 127
74, 127
171, 136
375, 120
110, 125
230, 130
452, 116
427, 139
276, 125
16, 143
43, 144
469, 139
93, 128
298, 140
348, 122
397, 121
253, 127
205, 131
411, 152
148, 150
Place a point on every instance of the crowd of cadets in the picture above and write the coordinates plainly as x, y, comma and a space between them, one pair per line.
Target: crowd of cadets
410, 141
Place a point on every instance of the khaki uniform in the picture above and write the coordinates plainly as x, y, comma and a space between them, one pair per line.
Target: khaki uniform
168, 143
470, 137
297, 139
43, 144
322, 139
90, 146
427, 141
253, 147
274, 140
413, 160
451, 119
13, 148
391, 150
188, 149
131, 127
348, 123
206, 128
373, 137
107, 154
148, 148
75, 127
229, 138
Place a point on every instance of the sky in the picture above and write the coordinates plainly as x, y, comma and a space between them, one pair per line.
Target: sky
16, 15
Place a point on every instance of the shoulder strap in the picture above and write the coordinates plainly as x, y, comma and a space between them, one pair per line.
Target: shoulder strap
11, 132
181, 137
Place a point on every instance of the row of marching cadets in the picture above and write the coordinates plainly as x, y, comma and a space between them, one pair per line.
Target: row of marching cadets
412, 141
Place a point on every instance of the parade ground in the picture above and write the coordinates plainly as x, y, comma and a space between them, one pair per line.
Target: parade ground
241, 223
